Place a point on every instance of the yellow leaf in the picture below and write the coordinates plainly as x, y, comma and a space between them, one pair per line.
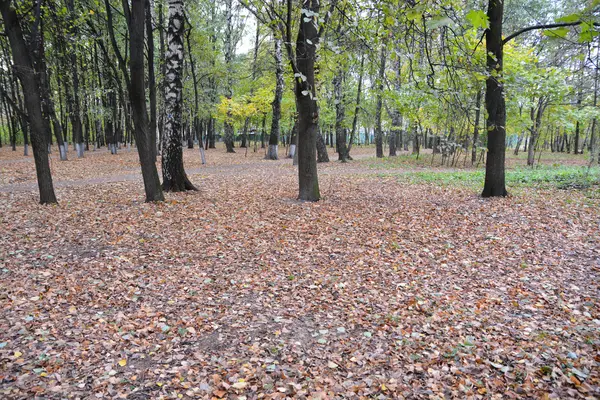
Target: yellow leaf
383, 387
240, 385
18, 354
123, 362
92, 12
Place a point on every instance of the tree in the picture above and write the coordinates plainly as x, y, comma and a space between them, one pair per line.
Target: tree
23, 69
174, 176
136, 23
272, 153
495, 180
229, 53
306, 101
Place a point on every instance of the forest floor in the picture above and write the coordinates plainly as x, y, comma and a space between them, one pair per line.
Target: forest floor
401, 283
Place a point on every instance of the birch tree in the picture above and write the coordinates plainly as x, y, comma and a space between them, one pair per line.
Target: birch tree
174, 176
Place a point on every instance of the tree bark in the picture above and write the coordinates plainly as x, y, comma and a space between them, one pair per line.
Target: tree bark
322, 155
138, 101
23, 68
228, 136
75, 102
151, 78
476, 127
306, 102
340, 114
495, 179
174, 176
357, 108
272, 153
394, 132
379, 105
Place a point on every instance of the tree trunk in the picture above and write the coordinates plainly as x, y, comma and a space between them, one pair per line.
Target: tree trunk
138, 101
476, 127
306, 101
23, 68
322, 155
293, 140
228, 136
357, 107
394, 132
174, 176
379, 104
340, 114
576, 142
75, 102
495, 179
151, 78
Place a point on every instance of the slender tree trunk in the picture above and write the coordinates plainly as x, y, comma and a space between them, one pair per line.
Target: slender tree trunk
476, 127
322, 155
379, 104
228, 136
151, 78
576, 142
340, 114
272, 153
518, 146
75, 100
293, 140
495, 179
396, 130
357, 108
23, 68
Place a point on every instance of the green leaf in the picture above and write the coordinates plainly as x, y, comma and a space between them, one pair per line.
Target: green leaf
569, 18
557, 33
413, 15
478, 19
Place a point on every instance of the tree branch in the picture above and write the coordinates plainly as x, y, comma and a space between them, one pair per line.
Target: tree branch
547, 26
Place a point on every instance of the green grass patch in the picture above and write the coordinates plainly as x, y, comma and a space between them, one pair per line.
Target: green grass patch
573, 177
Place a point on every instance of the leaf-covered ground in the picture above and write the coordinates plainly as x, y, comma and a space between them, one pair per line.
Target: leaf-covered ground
384, 289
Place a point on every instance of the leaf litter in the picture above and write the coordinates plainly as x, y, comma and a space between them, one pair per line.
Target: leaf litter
381, 290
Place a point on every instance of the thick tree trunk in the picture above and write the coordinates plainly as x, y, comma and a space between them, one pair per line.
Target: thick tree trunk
23, 68
137, 97
495, 179
174, 176
306, 102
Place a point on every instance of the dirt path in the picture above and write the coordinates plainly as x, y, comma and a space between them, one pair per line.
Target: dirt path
281, 167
